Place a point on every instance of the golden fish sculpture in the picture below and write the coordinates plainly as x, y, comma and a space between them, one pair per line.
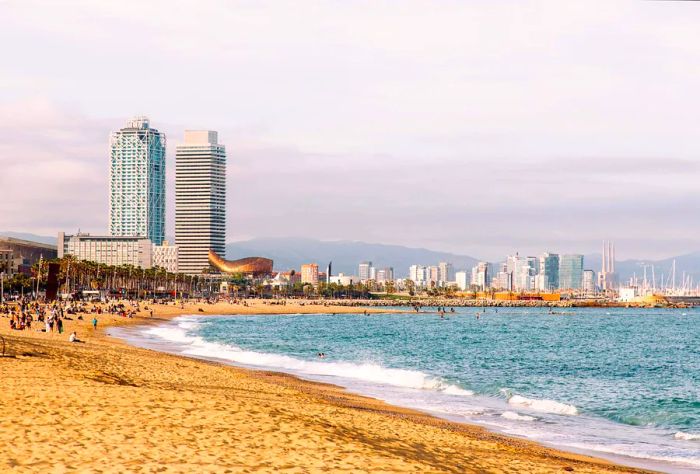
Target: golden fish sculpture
249, 265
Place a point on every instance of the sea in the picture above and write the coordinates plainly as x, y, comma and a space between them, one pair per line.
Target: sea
617, 383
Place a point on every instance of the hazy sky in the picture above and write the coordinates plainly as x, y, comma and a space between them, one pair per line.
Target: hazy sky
482, 128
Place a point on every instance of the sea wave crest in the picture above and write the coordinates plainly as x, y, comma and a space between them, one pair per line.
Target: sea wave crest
511, 415
544, 406
687, 436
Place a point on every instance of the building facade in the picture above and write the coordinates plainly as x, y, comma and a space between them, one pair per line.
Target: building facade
7, 262
548, 272
29, 252
463, 280
570, 272
480, 275
165, 256
417, 274
107, 249
200, 200
446, 273
309, 273
137, 181
364, 271
384, 275
588, 282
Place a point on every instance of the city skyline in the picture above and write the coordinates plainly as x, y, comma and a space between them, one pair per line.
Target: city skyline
602, 152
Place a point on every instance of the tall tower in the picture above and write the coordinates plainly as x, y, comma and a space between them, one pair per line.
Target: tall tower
137, 181
607, 279
200, 200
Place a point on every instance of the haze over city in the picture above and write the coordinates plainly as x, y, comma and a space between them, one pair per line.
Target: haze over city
481, 131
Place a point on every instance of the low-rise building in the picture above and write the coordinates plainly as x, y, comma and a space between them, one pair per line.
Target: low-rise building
107, 249
165, 256
27, 251
345, 280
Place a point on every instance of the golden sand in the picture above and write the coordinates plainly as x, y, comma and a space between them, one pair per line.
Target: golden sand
104, 406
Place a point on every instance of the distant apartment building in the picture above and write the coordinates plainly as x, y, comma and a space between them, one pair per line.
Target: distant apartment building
165, 256
446, 273
137, 181
365, 271
309, 273
417, 274
571, 272
548, 276
588, 284
384, 275
522, 272
480, 275
200, 200
107, 249
463, 280
432, 275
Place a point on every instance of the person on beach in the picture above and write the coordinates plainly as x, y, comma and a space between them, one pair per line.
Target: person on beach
94, 323
59, 325
74, 337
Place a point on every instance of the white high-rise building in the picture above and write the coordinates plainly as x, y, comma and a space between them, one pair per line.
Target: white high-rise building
200, 200
365, 271
137, 181
480, 275
417, 273
588, 285
462, 279
446, 273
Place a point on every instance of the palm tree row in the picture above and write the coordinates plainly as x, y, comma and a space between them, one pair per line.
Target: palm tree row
80, 275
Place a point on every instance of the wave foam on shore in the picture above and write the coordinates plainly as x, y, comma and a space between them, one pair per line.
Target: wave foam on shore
366, 372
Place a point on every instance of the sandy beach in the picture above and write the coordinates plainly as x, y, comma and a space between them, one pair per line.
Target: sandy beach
104, 406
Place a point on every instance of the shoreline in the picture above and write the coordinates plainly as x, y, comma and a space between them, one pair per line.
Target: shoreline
451, 445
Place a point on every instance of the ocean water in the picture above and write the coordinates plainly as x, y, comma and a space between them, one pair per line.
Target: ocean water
618, 383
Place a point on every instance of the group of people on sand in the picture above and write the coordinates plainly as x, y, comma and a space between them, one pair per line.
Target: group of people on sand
50, 316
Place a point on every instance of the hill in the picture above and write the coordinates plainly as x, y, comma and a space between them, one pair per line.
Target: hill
346, 255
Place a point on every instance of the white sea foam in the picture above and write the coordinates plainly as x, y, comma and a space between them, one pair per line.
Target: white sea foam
511, 415
366, 372
544, 406
687, 436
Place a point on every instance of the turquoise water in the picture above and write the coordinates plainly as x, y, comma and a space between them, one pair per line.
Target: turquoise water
615, 381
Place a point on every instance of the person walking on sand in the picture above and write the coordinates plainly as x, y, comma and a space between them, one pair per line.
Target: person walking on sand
94, 323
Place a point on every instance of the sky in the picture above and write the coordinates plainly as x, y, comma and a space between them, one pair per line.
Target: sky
481, 128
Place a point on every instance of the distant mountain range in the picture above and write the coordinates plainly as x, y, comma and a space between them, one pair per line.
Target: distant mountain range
290, 253
345, 254
32, 237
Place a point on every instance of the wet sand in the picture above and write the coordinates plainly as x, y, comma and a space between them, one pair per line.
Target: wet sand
105, 406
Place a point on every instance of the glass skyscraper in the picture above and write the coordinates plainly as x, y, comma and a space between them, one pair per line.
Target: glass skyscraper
570, 272
549, 271
137, 181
